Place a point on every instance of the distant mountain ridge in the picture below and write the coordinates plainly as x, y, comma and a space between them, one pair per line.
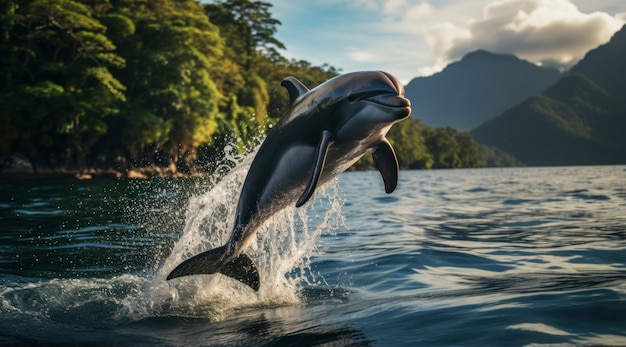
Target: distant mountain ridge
580, 120
606, 65
479, 86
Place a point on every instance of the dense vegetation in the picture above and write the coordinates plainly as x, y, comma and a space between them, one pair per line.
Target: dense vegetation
123, 84
420, 146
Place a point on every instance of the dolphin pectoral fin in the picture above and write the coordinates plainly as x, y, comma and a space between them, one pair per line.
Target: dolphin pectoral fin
241, 267
320, 159
294, 87
387, 163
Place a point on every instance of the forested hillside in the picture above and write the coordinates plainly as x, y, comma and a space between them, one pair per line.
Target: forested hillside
420, 146
131, 83
580, 120
160, 86
605, 66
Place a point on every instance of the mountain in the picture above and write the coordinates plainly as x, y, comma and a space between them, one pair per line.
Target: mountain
606, 65
580, 120
574, 122
479, 86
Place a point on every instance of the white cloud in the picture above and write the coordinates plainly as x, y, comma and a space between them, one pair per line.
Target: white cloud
407, 11
430, 70
420, 11
554, 31
363, 56
412, 38
393, 7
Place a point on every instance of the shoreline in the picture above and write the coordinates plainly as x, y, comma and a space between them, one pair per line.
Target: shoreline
91, 173
30, 174
19, 168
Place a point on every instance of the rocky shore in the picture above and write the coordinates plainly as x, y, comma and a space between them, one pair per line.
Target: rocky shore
18, 167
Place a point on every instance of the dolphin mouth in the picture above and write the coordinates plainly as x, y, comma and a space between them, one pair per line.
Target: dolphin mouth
389, 100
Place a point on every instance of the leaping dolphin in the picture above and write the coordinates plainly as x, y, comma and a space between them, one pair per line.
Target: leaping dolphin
324, 132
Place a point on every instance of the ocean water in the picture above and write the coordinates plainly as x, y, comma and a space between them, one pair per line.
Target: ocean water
512, 257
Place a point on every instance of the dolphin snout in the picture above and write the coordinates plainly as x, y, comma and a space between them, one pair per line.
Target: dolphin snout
389, 100
397, 106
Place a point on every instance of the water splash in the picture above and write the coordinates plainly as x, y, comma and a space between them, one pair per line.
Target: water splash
281, 250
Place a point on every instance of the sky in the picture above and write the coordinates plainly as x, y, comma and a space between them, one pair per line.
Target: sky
412, 38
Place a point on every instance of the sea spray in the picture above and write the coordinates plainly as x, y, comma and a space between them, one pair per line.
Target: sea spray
165, 222
281, 250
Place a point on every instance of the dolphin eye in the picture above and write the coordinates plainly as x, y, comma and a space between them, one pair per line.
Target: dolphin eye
352, 98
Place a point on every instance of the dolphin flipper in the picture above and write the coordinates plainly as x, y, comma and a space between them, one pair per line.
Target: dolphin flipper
294, 87
387, 163
320, 159
241, 267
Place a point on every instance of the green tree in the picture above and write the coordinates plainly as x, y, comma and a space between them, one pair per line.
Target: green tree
469, 151
57, 86
127, 83
172, 54
274, 68
451, 148
248, 28
9, 64
249, 33
495, 157
410, 145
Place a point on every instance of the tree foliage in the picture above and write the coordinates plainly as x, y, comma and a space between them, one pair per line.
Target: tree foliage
574, 122
57, 88
420, 146
164, 83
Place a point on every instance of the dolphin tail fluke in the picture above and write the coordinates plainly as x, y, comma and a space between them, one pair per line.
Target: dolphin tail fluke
240, 267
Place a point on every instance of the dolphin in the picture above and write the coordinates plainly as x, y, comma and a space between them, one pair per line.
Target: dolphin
325, 131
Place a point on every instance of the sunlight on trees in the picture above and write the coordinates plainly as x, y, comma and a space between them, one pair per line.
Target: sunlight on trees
136, 83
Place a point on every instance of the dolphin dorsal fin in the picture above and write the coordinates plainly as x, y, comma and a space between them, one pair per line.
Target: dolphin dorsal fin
320, 159
387, 163
294, 87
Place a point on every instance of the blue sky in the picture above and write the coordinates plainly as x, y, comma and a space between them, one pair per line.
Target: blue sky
411, 38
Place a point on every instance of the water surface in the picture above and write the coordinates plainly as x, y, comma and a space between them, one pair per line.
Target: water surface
524, 256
